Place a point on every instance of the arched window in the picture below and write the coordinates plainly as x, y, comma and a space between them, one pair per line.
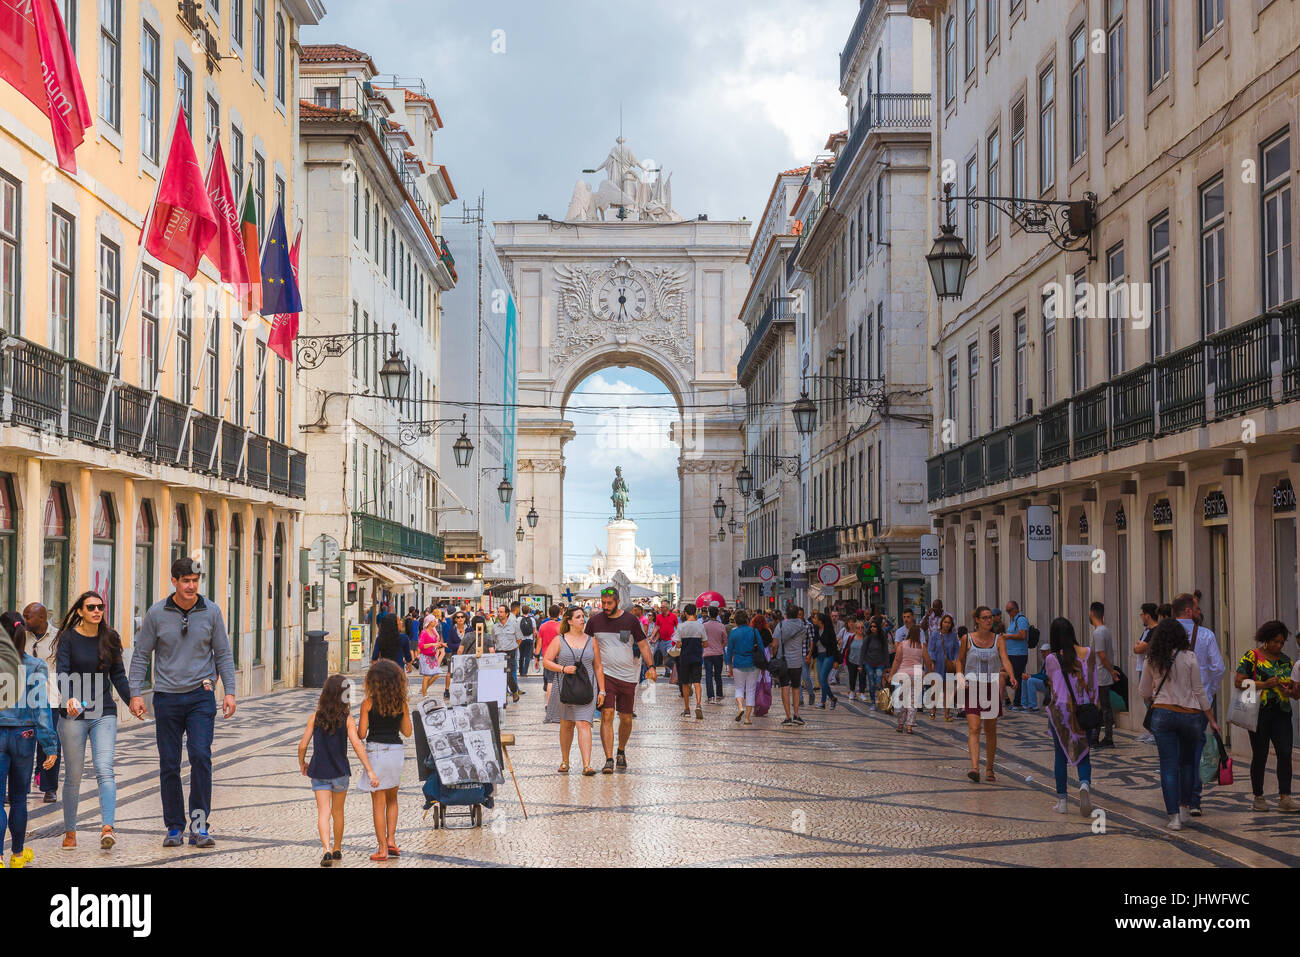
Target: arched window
144, 535
233, 580
209, 551
277, 599
259, 588
54, 562
103, 551
180, 532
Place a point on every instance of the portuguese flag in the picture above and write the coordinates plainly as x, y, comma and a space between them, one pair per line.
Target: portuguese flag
252, 294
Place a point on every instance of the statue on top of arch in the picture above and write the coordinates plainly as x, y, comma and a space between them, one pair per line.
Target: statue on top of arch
632, 191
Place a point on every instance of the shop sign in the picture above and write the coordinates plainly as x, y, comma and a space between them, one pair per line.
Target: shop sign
1162, 514
1283, 498
1215, 506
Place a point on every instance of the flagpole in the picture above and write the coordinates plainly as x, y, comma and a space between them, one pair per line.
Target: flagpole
171, 327
198, 378
266, 358
130, 299
236, 346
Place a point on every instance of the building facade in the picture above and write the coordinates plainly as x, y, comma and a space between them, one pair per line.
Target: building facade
374, 270
1144, 389
862, 344
99, 491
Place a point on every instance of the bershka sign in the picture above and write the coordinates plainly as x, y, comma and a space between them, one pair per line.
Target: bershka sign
1040, 533
76, 910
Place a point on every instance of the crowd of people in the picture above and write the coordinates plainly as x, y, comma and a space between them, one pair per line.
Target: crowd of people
593, 658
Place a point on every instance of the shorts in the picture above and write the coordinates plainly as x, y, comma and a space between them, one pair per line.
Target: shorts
336, 785
786, 674
688, 672
619, 695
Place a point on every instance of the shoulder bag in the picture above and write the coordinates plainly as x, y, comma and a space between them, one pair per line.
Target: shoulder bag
1087, 714
576, 688
759, 656
1243, 711
1146, 721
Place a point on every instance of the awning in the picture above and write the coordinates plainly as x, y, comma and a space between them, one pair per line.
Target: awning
505, 588
420, 575
386, 573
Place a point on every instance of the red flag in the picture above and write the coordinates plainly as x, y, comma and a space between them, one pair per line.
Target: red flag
37, 58
226, 251
184, 223
284, 329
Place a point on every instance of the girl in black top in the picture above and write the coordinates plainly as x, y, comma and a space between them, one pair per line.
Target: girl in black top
385, 720
89, 668
329, 730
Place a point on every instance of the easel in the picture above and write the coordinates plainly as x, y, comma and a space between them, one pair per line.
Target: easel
506, 739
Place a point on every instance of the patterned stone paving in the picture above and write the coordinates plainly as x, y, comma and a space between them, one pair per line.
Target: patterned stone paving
845, 790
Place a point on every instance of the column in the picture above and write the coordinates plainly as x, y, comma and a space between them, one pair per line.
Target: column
33, 549
126, 562
83, 524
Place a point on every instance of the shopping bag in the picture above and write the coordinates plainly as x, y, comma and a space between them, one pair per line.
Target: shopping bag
1209, 769
1244, 709
763, 696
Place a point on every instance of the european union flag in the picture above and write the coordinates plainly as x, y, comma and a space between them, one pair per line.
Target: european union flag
280, 293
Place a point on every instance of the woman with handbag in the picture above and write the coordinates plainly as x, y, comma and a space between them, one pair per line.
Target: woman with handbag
827, 650
876, 651
575, 659
854, 639
911, 658
742, 657
1270, 669
983, 662
1071, 674
1171, 685
943, 646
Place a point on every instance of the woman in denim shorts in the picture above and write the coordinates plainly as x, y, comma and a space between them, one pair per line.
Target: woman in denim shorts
329, 730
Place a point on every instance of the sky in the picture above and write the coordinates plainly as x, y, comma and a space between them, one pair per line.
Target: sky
723, 94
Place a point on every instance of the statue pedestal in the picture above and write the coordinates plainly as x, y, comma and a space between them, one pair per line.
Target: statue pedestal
620, 550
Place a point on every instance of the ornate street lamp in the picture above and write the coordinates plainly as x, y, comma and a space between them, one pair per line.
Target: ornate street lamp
532, 513
719, 506
504, 491
722, 534
805, 415
463, 448
519, 533
395, 376
949, 262
733, 525
745, 481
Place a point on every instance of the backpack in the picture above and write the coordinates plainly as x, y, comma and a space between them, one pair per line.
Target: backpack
1032, 637
526, 626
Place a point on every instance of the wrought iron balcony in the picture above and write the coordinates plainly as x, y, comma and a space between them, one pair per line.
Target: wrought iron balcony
1024, 447
1054, 430
1132, 406
1089, 416
1242, 367
885, 111
780, 309
375, 534
972, 465
855, 35
750, 567
820, 545
997, 456
1290, 322
1180, 388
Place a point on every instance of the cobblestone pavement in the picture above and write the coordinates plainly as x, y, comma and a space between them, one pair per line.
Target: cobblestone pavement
845, 790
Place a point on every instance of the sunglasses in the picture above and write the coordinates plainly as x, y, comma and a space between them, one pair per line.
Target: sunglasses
92, 607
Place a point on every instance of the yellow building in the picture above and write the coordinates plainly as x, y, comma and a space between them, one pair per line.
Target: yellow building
109, 506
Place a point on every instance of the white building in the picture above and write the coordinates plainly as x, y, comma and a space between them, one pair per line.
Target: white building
374, 265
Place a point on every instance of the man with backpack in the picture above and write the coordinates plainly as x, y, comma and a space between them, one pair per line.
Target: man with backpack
526, 630
1017, 638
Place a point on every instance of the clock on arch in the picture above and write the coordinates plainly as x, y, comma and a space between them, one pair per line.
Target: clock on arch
621, 298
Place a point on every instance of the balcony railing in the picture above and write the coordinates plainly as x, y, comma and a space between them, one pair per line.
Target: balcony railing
374, 534
855, 34
885, 111
780, 309
448, 260
1241, 367
820, 545
1158, 398
63, 398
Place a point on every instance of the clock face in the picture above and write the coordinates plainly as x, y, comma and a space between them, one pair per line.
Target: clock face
621, 298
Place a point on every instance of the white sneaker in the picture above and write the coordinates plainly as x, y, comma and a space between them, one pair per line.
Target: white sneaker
1059, 806
1174, 823
1148, 738
1184, 814
1085, 801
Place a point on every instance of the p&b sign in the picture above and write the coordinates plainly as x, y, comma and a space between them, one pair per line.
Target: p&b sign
1040, 533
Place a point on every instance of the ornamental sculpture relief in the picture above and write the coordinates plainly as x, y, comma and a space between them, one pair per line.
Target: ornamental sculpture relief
621, 304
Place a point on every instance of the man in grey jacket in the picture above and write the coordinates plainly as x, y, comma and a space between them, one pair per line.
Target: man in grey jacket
790, 634
185, 638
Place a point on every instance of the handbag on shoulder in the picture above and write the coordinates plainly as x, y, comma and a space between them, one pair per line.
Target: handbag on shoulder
576, 688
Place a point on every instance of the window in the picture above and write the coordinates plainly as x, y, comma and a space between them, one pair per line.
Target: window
281, 394
237, 22
949, 60
991, 22
1214, 273
971, 34
110, 65
366, 240
237, 165
1049, 349
212, 362
180, 533
1079, 335
952, 388
281, 200
1211, 17
972, 210
150, 67
68, 10
148, 327
259, 37
237, 399
184, 339
63, 297
110, 305
360, 343
281, 66
1078, 95
1276, 217
1047, 129
1116, 309
102, 550
995, 182
1158, 42
185, 90
144, 542
54, 560
214, 125
259, 188
1018, 184
1114, 62
1161, 339
10, 258
995, 377
259, 394
234, 578
973, 390
1022, 366
356, 207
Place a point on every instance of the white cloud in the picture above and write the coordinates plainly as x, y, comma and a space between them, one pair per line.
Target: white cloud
632, 428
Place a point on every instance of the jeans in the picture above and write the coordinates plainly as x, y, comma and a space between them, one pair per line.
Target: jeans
808, 681
1204, 724
102, 733
190, 715
875, 679
1106, 731
1274, 728
512, 661
17, 759
1035, 688
1179, 738
857, 677
1062, 765
713, 676
47, 781
1018, 663
525, 656
824, 665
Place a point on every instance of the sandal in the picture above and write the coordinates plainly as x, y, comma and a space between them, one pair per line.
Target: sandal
609, 766
563, 768
699, 713
990, 776
394, 851
974, 776
588, 771
378, 857
686, 713
899, 729
909, 730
